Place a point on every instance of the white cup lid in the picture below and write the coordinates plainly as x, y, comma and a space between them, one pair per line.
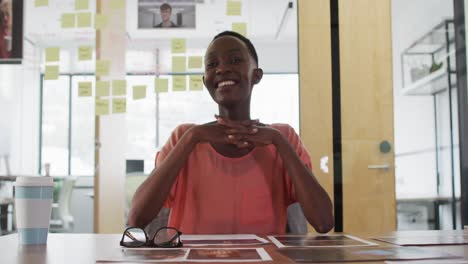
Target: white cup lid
34, 181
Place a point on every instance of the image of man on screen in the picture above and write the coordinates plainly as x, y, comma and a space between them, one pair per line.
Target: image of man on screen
166, 12
6, 22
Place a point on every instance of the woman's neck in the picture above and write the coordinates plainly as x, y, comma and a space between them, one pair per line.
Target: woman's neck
237, 114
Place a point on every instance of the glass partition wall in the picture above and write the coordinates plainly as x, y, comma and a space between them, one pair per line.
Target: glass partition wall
427, 162
58, 108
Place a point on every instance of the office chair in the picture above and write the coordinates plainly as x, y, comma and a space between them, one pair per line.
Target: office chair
62, 221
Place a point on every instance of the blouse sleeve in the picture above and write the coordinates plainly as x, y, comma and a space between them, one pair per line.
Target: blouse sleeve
303, 154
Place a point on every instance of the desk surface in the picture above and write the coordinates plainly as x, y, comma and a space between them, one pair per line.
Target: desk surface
86, 248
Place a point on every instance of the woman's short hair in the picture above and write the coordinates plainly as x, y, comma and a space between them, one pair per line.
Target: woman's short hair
246, 41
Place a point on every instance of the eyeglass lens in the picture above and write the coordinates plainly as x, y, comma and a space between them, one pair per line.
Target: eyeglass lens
167, 237
134, 237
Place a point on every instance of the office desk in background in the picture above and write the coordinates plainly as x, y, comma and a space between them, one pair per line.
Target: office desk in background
87, 248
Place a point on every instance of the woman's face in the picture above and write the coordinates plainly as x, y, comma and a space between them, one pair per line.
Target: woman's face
230, 71
5, 16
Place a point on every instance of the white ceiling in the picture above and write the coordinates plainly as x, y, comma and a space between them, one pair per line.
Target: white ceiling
263, 18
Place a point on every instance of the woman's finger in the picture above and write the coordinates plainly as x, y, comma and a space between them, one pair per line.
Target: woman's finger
243, 130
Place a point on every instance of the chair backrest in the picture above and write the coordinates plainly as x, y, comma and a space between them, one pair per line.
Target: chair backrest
132, 182
297, 223
64, 200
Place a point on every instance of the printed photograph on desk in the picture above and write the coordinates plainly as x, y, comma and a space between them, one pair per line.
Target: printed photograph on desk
426, 240
319, 241
228, 255
437, 261
216, 240
145, 255
321, 255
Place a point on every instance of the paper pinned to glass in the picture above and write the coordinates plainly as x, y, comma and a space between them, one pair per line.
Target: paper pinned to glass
222, 240
313, 241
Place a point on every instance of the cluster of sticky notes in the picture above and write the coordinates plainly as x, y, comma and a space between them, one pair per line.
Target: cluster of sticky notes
83, 19
52, 55
179, 65
233, 8
119, 88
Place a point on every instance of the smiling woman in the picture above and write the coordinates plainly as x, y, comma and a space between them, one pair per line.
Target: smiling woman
254, 167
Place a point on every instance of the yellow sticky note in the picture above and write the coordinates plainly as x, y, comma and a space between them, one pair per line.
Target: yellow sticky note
52, 54
161, 85
196, 83
233, 8
119, 105
240, 28
179, 83
85, 53
102, 67
119, 87
100, 21
81, 4
51, 72
178, 64
195, 62
139, 92
39, 3
68, 20
84, 19
117, 4
178, 45
85, 89
102, 88
102, 107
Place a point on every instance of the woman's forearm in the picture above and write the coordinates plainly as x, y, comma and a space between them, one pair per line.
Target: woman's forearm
314, 200
150, 196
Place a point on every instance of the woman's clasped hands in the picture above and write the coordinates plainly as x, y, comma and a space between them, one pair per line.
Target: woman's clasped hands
247, 133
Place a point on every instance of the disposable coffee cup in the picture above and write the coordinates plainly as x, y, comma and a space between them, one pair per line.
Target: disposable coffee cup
33, 206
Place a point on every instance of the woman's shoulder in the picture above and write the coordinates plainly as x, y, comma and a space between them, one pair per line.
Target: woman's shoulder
182, 128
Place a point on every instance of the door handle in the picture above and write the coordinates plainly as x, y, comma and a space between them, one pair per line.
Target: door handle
384, 166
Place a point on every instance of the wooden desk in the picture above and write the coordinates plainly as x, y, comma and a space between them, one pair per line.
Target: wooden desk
86, 248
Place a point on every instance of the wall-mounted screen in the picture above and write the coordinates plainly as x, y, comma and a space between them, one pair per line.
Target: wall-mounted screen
11, 31
169, 14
